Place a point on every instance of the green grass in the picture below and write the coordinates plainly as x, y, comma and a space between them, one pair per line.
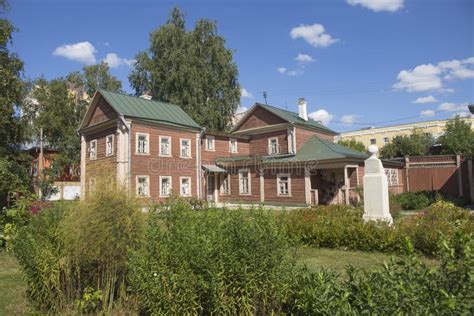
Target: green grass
338, 259
12, 288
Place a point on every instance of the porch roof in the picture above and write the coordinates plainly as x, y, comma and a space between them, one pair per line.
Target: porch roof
213, 168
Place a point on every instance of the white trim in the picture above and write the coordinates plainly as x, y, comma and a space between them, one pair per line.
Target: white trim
225, 176
236, 146
106, 141
169, 154
137, 135
278, 178
147, 183
93, 141
249, 182
189, 148
209, 138
277, 146
181, 186
170, 188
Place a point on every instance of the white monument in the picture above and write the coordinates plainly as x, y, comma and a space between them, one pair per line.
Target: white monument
376, 205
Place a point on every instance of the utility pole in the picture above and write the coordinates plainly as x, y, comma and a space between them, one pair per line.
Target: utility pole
265, 96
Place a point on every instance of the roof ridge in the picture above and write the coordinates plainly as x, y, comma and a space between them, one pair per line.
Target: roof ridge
135, 97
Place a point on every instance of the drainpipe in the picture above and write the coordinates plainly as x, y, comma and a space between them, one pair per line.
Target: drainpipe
198, 162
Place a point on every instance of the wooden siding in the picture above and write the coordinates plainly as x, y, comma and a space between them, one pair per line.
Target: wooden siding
103, 112
154, 166
259, 143
260, 117
221, 146
302, 136
234, 196
297, 187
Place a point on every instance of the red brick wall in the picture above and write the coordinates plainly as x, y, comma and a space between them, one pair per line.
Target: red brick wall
259, 143
260, 117
302, 136
154, 166
103, 112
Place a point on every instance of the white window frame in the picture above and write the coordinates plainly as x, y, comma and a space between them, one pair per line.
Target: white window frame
225, 176
170, 179
241, 171
111, 153
93, 153
210, 140
181, 148
169, 154
181, 186
147, 184
233, 150
392, 174
288, 176
270, 146
147, 152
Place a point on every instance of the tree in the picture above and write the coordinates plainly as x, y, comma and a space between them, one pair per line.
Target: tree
353, 144
416, 144
98, 77
192, 69
458, 138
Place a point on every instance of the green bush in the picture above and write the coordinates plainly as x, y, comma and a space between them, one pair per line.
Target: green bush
211, 262
12, 219
74, 246
401, 287
339, 226
414, 200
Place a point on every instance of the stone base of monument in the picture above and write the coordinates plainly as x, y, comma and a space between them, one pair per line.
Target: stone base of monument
376, 199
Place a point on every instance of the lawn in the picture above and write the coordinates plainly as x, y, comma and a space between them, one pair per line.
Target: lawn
12, 288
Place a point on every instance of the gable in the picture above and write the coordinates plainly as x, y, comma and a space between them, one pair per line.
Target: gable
102, 112
259, 118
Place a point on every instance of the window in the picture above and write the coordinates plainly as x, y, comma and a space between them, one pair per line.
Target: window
244, 181
142, 143
283, 185
233, 145
185, 186
210, 143
225, 184
386, 140
165, 186
109, 145
143, 185
373, 141
185, 150
93, 149
34, 168
392, 176
273, 146
165, 146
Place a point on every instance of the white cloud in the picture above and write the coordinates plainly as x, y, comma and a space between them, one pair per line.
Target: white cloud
424, 100
321, 115
83, 52
379, 5
245, 94
291, 72
281, 70
348, 119
427, 113
304, 58
241, 109
429, 77
452, 107
464, 114
114, 61
314, 35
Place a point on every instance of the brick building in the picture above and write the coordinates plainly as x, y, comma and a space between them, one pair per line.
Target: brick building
271, 156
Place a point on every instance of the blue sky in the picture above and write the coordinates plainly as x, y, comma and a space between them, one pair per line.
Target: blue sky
357, 62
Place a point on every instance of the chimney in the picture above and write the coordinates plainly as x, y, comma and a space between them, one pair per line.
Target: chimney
145, 96
302, 109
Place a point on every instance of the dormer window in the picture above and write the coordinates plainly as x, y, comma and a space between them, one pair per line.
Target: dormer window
273, 147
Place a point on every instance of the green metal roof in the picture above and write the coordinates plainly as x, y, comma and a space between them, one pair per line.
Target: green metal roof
294, 118
148, 109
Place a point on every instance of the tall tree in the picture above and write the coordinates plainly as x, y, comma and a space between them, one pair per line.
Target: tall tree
98, 77
353, 144
11, 90
192, 69
416, 144
458, 138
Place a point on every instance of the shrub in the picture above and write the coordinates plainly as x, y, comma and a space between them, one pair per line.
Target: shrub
211, 262
414, 200
11, 220
73, 247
